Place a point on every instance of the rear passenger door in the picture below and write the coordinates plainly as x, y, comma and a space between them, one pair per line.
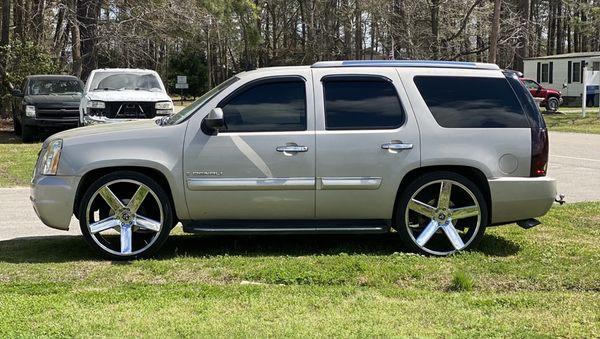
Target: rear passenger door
367, 139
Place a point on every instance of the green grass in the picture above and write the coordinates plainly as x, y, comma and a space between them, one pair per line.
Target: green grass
538, 282
570, 120
16, 160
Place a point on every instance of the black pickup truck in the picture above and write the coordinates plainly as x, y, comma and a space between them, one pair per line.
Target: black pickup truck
46, 101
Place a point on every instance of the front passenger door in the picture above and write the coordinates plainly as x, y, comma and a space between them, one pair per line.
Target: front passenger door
262, 164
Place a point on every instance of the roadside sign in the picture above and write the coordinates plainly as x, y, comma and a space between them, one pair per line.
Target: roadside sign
182, 79
182, 86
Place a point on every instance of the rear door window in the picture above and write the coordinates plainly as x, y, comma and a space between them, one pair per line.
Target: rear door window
361, 102
471, 102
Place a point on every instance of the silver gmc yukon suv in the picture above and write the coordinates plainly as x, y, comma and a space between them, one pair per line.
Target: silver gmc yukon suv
435, 151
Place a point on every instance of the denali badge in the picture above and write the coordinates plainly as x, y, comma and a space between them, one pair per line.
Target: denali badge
205, 173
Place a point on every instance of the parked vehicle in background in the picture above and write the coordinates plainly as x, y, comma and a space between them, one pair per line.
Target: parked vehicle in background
551, 98
46, 101
113, 95
336, 147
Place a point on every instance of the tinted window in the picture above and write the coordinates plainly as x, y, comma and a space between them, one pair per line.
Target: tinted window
268, 106
361, 103
463, 102
54, 86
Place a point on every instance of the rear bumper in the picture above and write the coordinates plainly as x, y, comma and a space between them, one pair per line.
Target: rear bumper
518, 198
53, 198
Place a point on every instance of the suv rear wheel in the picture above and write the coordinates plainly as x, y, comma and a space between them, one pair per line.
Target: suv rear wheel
441, 213
125, 215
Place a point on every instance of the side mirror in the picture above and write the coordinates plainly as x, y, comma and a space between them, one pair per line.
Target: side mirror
214, 120
17, 93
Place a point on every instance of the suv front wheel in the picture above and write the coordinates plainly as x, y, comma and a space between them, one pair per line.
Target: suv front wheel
552, 104
125, 215
440, 213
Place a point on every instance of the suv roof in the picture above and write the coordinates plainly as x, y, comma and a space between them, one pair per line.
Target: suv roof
406, 63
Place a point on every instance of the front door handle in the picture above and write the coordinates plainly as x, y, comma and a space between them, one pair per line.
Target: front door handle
396, 146
291, 149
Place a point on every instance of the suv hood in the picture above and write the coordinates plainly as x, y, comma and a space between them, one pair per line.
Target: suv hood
114, 128
71, 100
553, 91
127, 95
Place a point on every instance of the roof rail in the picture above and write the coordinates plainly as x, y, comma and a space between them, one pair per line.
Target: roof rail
405, 63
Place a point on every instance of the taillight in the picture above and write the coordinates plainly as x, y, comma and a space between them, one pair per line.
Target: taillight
539, 152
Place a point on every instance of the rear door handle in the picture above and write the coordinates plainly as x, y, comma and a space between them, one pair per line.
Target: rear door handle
396, 146
291, 149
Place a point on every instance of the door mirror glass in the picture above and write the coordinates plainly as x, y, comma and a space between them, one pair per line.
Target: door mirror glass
214, 120
17, 93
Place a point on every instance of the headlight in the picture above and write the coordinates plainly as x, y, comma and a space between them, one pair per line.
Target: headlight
96, 104
30, 111
51, 157
164, 105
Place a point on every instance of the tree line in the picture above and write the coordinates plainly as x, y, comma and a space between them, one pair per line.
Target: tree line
209, 40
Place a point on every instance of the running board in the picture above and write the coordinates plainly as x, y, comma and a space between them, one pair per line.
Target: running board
285, 226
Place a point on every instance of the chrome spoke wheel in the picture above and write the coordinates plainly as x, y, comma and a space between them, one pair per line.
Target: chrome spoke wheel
442, 217
124, 217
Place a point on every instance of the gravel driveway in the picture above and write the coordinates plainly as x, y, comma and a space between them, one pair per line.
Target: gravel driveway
574, 161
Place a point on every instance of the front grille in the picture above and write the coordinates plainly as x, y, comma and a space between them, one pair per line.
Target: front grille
127, 110
56, 113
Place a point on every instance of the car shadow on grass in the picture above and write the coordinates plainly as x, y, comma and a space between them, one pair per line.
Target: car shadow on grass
73, 248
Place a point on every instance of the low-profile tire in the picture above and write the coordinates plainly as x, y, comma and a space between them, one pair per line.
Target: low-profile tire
16, 126
125, 215
27, 133
552, 104
441, 213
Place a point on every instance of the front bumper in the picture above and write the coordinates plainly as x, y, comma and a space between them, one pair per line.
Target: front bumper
519, 198
51, 122
53, 198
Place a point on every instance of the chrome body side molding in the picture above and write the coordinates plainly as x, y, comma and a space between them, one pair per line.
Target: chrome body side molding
250, 184
350, 183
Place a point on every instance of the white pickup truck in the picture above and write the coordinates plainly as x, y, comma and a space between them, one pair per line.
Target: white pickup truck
122, 94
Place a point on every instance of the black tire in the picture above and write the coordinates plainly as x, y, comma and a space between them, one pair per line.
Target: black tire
552, 104
16, 126
162, 196
27, 133
405, 197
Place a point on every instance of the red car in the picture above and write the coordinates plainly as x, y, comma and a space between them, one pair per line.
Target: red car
552, 98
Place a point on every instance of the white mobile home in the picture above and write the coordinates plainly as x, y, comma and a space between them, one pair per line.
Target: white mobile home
563, 72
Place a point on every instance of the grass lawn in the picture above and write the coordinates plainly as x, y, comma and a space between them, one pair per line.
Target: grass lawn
539, 282
16, 160
572, 121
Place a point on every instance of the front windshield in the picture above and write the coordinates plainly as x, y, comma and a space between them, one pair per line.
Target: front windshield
186, 112
121, 81
54, 87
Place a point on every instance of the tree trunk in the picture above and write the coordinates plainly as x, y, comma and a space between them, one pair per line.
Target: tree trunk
435, 27
358, 34
560, 39
87, 15
523, 43
75, 38
494, 32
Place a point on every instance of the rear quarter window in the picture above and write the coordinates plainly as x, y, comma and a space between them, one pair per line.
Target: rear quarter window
471, 102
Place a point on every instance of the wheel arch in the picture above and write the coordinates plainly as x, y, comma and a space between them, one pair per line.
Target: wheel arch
471, 173
92, 175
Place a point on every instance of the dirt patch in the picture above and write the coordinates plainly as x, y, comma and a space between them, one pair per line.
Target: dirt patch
7, 134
